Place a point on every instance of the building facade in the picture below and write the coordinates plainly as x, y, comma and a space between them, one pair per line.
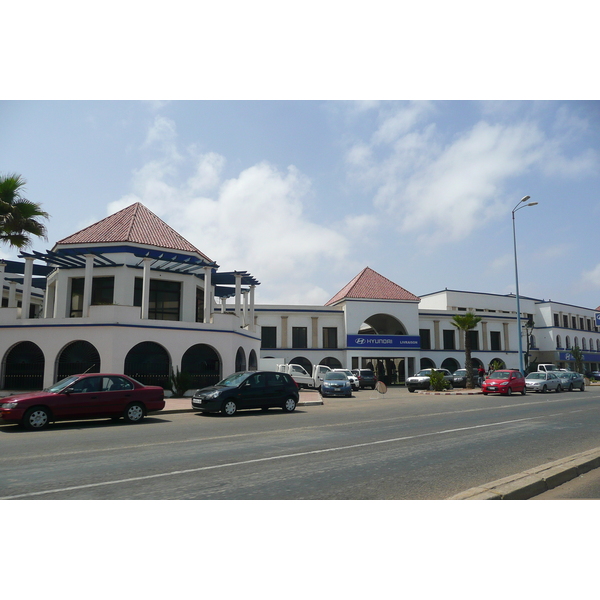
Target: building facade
130, 295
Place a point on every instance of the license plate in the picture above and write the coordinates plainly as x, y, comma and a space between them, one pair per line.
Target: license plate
492, 389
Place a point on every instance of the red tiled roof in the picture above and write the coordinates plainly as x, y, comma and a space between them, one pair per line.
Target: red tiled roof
370, 285
134, 224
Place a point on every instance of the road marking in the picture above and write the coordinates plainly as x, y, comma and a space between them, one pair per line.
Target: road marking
261, 460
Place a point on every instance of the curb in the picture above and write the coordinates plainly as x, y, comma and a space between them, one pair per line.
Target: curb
535, 481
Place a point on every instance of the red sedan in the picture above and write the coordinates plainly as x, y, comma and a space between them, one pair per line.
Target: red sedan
89, 396
504, 381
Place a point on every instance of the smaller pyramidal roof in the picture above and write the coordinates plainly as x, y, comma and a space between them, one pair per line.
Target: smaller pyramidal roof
370, 285
134, 224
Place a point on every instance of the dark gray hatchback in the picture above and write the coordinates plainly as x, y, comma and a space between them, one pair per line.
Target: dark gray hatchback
248, 389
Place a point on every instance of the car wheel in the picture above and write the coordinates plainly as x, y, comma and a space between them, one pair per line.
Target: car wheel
229, 408
134, 413
411, 390
37, 417
559, 388
509, 392
570, 387
582, 388
484, 393
523, 392
544, 389
290, 405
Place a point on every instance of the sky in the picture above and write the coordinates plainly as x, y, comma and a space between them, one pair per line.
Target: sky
304, 194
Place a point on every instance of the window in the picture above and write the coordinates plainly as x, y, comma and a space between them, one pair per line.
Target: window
102, 293
330, 337
268, 337
565, 321
165, 297
299, 337
449, 339
495, 343
581, 323
556, 320
574, 322
425, 335
589, 324
568, 342
474, 337
558, 342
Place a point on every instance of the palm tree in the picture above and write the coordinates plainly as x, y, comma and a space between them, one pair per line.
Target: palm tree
19, 217
466, 323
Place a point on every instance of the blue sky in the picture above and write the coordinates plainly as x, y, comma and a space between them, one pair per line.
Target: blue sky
304, 194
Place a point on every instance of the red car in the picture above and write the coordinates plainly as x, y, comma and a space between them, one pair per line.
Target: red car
504, 381
89, 396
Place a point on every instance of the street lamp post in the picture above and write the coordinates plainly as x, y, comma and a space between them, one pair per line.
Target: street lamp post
519, 206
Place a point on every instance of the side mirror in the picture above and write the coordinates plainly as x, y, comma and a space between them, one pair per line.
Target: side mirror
68, 391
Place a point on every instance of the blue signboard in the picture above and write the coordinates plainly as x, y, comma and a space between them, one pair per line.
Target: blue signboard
384, 342
597, 319
586, 357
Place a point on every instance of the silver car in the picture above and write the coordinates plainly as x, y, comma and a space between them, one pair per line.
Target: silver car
541, 381
569, 380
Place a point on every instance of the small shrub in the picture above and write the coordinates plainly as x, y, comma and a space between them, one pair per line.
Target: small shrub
181, 382
437, 381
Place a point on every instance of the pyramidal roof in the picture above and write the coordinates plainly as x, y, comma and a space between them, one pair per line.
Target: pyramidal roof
134, 224
370, 285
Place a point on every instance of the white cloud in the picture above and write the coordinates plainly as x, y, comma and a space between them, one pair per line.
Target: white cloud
254, 221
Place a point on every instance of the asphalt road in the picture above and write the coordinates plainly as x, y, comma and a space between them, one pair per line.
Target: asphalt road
399, 446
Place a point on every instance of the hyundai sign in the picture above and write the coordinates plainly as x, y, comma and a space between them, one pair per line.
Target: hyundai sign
383, 342
597, 319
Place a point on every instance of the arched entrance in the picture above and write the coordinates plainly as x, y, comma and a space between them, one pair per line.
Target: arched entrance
150, 364
252, 361
203, 364
382, 324
427, 363
303, 362
240, 360
331, 362
77, 357
24, 367
451, 364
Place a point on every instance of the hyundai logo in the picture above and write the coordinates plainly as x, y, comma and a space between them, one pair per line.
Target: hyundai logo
360, 341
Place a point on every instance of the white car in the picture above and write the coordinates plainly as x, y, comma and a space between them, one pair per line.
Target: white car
353, 378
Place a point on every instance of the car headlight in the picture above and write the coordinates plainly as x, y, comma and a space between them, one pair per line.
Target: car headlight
212, 395
504, 383
10, 405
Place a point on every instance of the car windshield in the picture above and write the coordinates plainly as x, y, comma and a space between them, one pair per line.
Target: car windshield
347, 373
460, 372
424, 373
62, 384
536, 375
330, 376
500, 375
234, 380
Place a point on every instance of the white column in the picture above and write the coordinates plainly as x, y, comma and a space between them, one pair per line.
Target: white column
49, 300
26, 295
87, 285
245, 319
252, 323
208, 303
2, 267
238, 295
146, 288
223, 304
12, 294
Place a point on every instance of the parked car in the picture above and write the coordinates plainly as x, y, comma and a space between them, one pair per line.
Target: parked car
504, 381
569, 380
366, 378
351, 376
459, 378
543, 381
88, 396
336, 384
420, 381
595, 375
248, 389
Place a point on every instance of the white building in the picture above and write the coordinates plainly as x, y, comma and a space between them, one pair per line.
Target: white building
126, 295
130, 295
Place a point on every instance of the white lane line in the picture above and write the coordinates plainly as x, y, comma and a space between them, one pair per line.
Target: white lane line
259, 460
